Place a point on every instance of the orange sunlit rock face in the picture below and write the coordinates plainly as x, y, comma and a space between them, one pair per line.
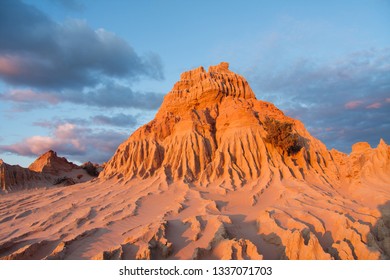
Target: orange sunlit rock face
205, 180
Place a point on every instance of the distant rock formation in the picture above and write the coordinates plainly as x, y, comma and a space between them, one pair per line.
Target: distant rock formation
50, 163
47, 170
93, 169
14, 177
365, 165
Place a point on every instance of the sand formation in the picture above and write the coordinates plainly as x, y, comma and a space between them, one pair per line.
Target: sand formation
217, 174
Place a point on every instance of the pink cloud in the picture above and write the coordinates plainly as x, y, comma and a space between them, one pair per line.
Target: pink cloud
387, 100
375, 105
37, 144
9, 66
28, 95
68, 139
353, 104
65, 137
65, 131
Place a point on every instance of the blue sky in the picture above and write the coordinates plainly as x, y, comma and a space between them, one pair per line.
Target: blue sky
79, 76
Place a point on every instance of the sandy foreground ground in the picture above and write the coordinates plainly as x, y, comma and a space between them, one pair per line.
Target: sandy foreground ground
149, 219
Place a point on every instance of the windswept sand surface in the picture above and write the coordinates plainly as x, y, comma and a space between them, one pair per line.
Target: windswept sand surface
148, 219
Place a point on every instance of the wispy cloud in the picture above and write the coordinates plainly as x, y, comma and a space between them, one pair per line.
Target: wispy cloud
353, 104
114, 120
375, 105
109, 95
121, 120
113, 95
28, 96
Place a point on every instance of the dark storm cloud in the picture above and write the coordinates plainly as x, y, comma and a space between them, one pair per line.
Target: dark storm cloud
51, 63
38, 52
340, 101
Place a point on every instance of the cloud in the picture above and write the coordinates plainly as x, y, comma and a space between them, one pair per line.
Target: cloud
347, 95
375, 105
65, 138
53, 123
116, 120
73, 141
40, 53
353, 104
113, 95
109, 95
122, 120
28, 96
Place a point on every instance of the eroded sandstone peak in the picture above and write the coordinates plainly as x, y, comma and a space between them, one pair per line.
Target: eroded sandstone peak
198, 88
50, 162
211, 127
